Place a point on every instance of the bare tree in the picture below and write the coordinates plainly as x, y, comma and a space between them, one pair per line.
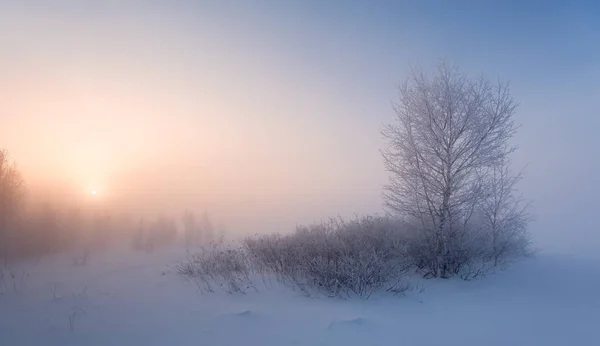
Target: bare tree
207, 228
12, 190
138, 241
46, 233
505, 215
190, 228
163, 230
199, 231
449, 132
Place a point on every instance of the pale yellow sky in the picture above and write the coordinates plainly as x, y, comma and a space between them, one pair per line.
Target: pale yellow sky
162, 116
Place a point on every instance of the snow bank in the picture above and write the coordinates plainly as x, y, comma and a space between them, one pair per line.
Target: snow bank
136, 299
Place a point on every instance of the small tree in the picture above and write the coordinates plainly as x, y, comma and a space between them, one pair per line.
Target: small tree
207, 228
102, 230
138, 241
12, 190
163, 231
505, 215
190, 228
199, 231
75, 227
46, 233
451, 133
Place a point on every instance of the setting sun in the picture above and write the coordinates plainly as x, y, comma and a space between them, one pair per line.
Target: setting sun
299, 172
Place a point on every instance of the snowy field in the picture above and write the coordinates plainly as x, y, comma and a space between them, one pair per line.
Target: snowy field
137, 299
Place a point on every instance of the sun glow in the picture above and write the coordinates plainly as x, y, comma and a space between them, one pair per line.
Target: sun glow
94, 192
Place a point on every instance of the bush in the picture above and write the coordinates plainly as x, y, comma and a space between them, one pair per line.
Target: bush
345, 258
217, 264
471, 252
337, 258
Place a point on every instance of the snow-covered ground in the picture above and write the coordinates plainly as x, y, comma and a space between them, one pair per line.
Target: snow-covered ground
136, 299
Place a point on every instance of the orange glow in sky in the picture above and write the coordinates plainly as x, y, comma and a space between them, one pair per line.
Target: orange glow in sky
169, 118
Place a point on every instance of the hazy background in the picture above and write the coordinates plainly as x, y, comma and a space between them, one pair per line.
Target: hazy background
267, 113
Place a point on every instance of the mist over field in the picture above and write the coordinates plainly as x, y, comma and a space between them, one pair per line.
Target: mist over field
246, 151
269, 115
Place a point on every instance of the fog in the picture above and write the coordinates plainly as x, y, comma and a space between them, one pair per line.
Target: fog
269, 115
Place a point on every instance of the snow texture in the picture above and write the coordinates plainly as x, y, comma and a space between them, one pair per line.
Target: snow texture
137, 299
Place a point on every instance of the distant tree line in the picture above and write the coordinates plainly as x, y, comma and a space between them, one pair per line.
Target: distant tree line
32, 226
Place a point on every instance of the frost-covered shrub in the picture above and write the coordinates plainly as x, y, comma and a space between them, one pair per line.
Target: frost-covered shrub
218, 265
476, 249
339, 258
